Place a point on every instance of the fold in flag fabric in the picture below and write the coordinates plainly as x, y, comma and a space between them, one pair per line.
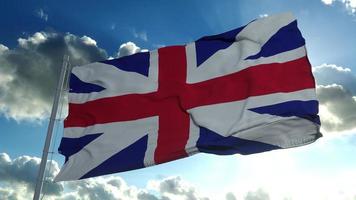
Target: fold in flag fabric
244, 91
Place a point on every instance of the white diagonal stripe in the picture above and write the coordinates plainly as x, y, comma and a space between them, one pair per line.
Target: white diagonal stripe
116, 81
248, 42
224, 62
105, 145
229, 118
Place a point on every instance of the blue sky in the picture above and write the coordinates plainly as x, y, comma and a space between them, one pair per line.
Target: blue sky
34, 33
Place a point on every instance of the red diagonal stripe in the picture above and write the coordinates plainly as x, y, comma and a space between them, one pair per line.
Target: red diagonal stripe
254, 81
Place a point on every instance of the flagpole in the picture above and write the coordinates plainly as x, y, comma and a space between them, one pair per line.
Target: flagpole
39, 181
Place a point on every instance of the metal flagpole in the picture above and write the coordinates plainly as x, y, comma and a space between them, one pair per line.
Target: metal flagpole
39, 181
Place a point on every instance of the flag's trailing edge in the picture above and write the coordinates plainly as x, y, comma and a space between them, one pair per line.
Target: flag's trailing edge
245, 91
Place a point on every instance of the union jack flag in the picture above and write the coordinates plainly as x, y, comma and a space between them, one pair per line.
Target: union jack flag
244, 91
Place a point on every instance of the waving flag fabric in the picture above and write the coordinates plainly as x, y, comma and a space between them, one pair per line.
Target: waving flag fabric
245, 91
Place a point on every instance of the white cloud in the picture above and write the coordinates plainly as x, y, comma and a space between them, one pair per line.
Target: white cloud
29, 72
328, 2
259, 194
127, 49
328, 74
330, 67
18, 177
103, 188
3, 48
230, 196
338, 108
336, 92
176, 188
88, 40
274, 175
263, 15
349, 4
34, 40
17, 193
41, 14
328, 117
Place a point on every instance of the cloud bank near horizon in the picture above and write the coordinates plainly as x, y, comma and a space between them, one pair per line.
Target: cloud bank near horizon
17, 178
17, 181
